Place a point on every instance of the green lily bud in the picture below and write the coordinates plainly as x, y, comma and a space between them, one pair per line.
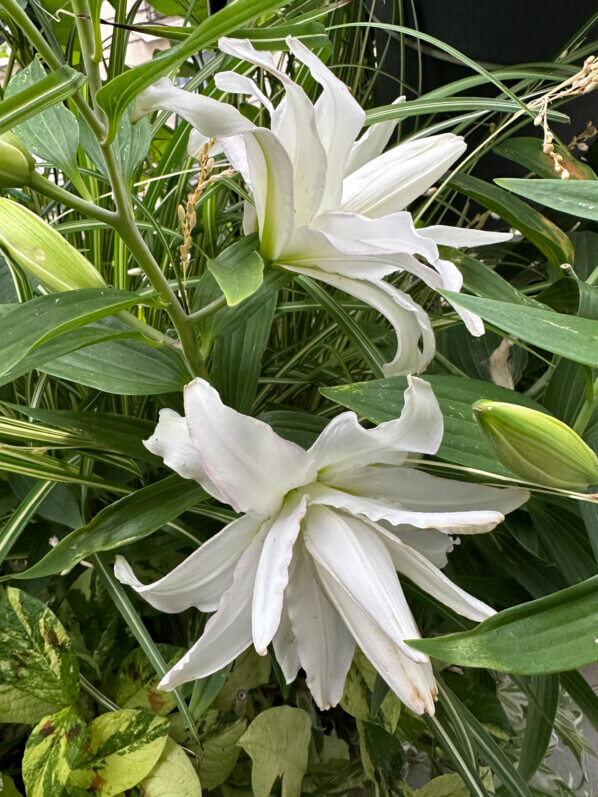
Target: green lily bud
16, 162
42, 252
536, 446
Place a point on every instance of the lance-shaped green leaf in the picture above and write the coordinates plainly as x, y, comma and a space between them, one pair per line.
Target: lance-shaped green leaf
137, 681
122, 748
238, 270
547, 635
32, 323
119, 92
382, 400
42, 252
53, 134
552, 242
528, 152
574, 338
51, 752
39, 672
39, 96
128, 520
577, 197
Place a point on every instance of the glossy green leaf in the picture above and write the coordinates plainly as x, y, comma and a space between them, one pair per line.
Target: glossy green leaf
238, 270
122, 748
105, 431
572, 296
53, 134
552, 242
547, 635
131, 145
485, 281
38, 667
39, 96
237, 358
51, 753
528, 152
128, 520
543, 699
118, 93
574, 338
32, 323
122, 366
382, 400
579, 198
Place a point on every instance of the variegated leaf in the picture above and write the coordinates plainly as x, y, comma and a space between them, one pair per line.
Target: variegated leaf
39, 672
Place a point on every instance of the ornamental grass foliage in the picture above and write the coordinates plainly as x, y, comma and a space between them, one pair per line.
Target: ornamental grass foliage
298, 414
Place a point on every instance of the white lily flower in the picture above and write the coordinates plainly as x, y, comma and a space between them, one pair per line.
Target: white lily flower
311, 564
327, 205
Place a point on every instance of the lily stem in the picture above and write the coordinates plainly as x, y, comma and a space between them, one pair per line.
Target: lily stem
124, 224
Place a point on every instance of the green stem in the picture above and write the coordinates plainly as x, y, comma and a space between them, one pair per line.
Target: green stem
88, 47
127, 229
84, 206
18, 15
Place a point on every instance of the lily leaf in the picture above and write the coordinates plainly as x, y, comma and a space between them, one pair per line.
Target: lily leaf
551, 634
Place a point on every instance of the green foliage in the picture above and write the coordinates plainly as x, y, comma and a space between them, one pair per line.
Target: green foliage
277, 742
38, 666
109, 306
547, 635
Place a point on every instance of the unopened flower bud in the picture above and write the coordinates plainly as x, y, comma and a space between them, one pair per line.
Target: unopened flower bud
537, 447
16, 163
42, 252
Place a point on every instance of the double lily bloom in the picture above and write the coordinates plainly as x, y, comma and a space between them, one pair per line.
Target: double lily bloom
311, 564
327, 204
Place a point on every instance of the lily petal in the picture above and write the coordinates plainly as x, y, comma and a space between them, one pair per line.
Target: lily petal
345, 445
285, 647
412, 489
254, 151
172, 443
463, 522
272, 574
353, 554
433, 544
228, 632
463, 237
202, 578
339, 118
324, 645
235, 83
294, 125
413, 682
409, 320
250, 464
372, 142
394, 179
433, 581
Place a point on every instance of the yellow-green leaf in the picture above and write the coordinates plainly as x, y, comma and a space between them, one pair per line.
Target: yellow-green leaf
51, 752
38, 667
277, 741
173, 775
121, 750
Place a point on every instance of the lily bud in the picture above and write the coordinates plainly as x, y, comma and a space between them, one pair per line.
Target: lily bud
536, 446
42, 252
16, 163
